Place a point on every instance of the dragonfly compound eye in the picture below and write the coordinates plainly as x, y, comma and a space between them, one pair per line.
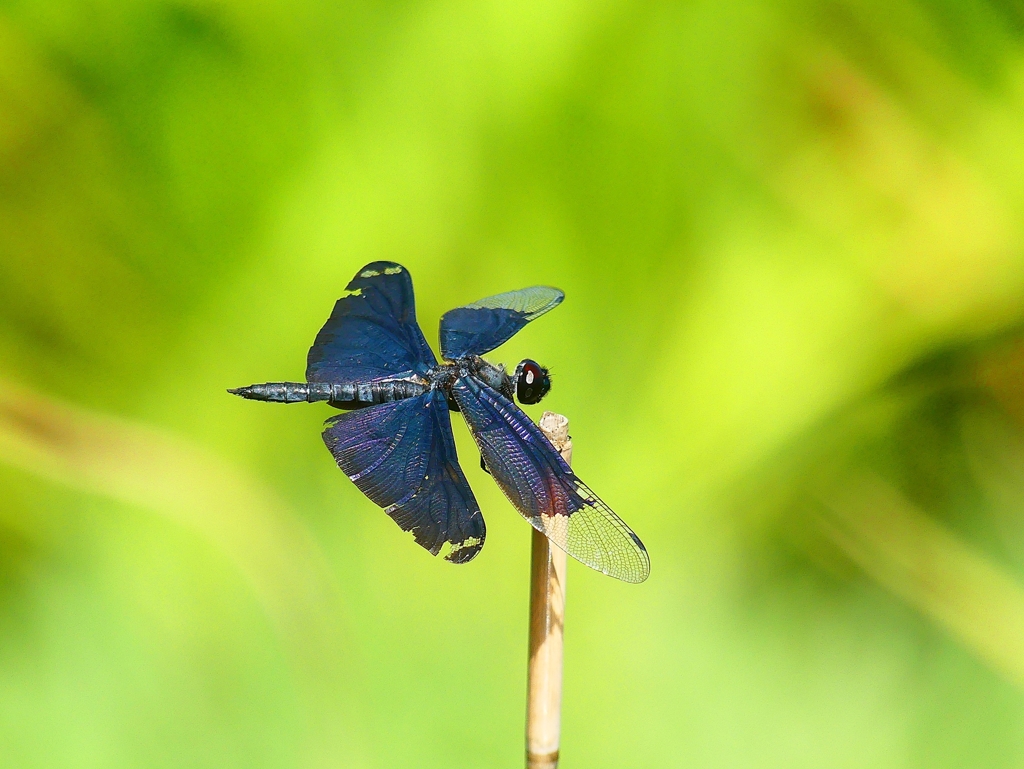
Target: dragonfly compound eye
532, 382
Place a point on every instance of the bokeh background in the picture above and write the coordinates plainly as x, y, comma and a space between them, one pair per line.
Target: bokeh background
791, 235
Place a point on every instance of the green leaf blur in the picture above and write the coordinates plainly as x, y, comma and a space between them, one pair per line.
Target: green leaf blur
791, 237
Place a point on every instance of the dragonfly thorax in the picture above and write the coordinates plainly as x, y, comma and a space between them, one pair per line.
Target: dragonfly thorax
491, 374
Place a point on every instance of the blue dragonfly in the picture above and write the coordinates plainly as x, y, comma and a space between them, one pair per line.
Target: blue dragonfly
394, 439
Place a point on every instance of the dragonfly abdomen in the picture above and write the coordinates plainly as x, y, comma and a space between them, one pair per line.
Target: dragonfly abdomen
350, 395
343, 395
285, 392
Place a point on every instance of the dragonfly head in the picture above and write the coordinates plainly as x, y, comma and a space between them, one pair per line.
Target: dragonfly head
532, 382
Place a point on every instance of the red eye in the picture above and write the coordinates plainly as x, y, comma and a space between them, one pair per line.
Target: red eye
532, 382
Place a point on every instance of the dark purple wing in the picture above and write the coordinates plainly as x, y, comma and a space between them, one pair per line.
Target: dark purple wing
544, 489
483, 325
372, 333
402, 456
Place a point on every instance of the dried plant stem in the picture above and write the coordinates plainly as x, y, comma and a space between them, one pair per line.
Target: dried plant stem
547, 614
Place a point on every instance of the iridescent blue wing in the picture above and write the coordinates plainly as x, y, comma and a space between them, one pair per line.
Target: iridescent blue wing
372, 332
544, 489
483, 325
402, 456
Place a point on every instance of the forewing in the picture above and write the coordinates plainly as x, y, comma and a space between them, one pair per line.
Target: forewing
483, 325
544, 489
372, 332
402, 456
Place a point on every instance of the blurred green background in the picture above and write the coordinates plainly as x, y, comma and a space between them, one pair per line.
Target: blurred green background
792, 354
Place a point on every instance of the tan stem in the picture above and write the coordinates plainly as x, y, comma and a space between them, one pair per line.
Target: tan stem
547, 614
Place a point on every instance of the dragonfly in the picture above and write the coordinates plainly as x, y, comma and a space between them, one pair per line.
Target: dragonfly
394, 437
